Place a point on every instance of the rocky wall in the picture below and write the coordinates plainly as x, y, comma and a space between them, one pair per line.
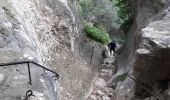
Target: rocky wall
130, 60
47, 31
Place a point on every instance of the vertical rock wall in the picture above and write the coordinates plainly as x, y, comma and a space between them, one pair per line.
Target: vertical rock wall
139, 61
47, 31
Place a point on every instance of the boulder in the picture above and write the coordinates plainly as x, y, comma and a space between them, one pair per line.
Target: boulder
6, 28
100, 82
109, 60
152, 64
105, 98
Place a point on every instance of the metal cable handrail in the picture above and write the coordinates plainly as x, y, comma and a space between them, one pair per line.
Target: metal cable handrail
153, 94
28, 94
28, 65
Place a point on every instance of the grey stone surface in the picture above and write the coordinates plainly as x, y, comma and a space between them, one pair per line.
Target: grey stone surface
105, 98
152, 62
16, 83
100, 88
109, 60
2, 42
147, 44
2, 77
48, 31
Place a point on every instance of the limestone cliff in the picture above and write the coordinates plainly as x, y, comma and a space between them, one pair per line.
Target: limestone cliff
146, 53
47, 32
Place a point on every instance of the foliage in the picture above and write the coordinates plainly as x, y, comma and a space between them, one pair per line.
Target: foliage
97, 34
85, 8
124, 13
100, 26
99, 12
105, 16
122, 77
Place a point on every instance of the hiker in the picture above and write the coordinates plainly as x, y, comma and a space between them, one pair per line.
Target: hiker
112, 46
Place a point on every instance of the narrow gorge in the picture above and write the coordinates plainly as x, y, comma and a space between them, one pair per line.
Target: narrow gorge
58, 50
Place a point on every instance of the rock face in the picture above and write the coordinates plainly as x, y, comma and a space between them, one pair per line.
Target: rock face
47, 31
15, 83
152, 59
146, 53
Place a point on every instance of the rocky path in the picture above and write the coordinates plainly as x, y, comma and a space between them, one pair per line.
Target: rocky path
100, 89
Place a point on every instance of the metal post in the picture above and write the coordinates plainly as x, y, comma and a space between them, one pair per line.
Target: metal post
28, 65
126, 97
91, 55
29, 73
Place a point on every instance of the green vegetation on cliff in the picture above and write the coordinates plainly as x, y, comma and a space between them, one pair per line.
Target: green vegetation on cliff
97, 34
124, 13
106, 16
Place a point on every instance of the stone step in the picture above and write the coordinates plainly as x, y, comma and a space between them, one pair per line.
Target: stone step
101, 91
106, 71
109, 60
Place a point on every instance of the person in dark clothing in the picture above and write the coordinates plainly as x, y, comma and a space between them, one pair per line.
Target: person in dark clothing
112, 46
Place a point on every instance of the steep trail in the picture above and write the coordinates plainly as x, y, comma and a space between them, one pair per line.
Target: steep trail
101, 89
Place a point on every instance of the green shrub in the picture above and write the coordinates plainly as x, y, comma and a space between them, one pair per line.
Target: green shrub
100, 26
124, 13
97, 34
121, 77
